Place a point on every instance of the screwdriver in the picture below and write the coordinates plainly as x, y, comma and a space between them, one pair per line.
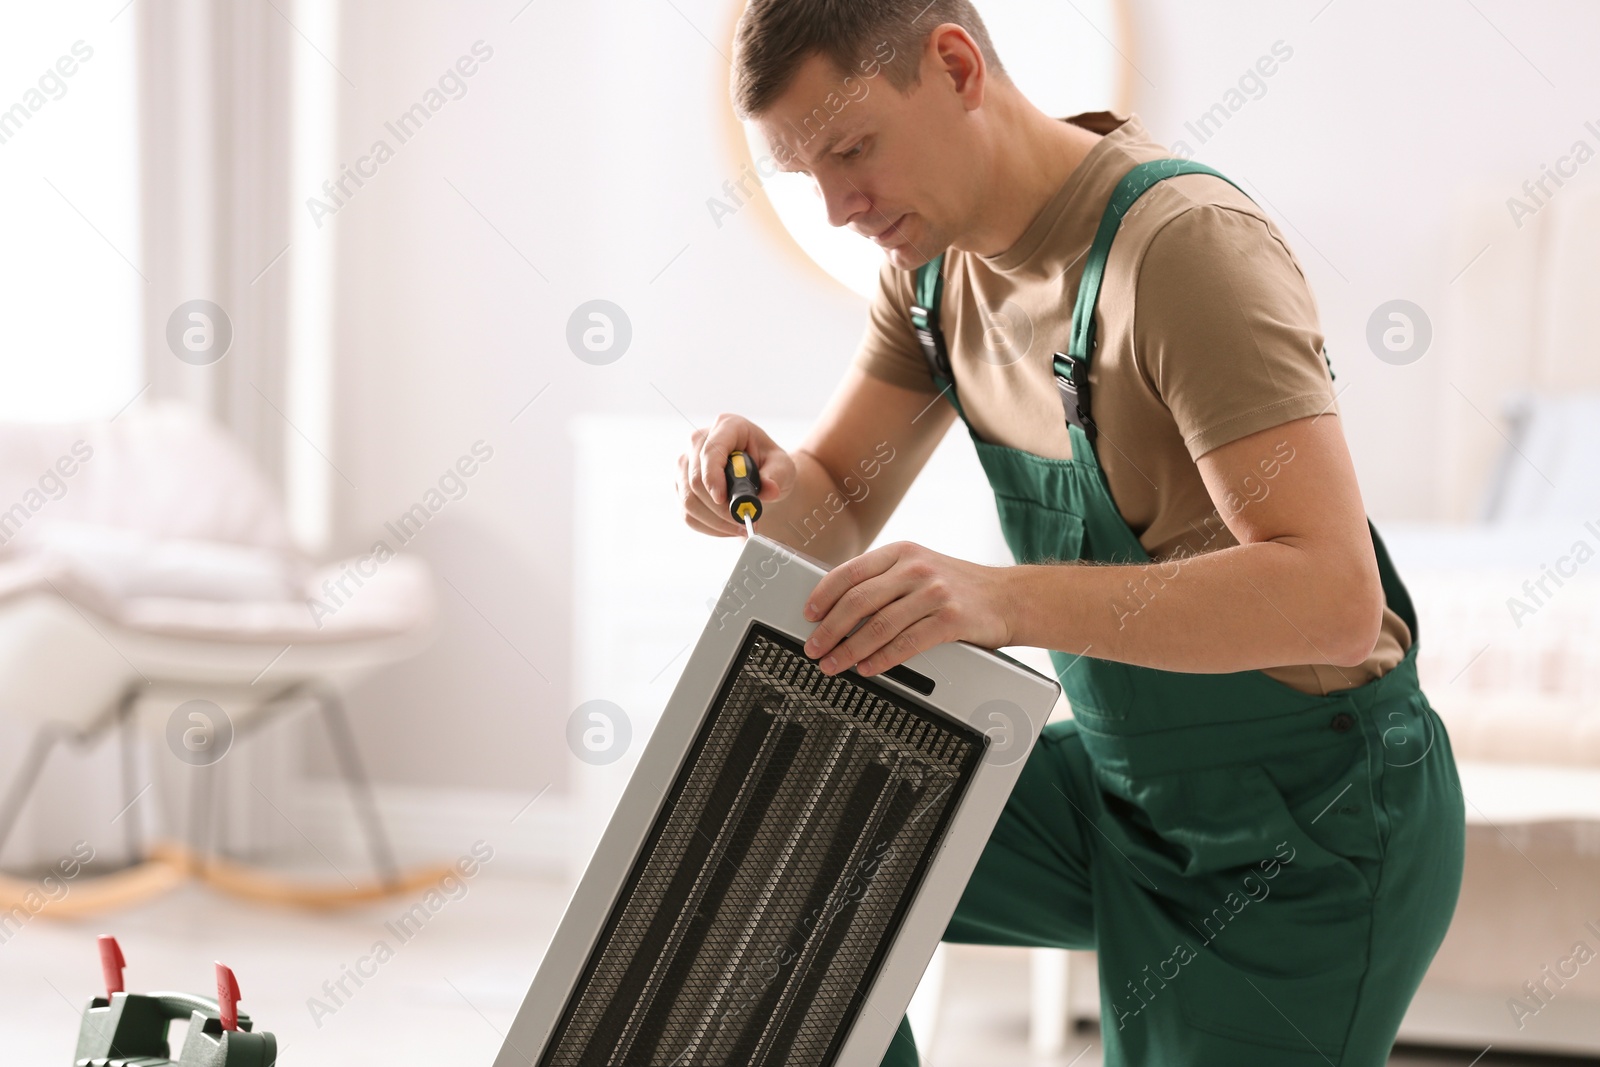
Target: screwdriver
744, 489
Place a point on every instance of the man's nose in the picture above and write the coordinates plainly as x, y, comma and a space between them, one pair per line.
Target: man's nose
842, 200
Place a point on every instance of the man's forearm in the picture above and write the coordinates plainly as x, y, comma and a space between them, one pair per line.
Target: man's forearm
804, 520
1247, 607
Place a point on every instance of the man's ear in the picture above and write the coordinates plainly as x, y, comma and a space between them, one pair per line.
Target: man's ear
955, 55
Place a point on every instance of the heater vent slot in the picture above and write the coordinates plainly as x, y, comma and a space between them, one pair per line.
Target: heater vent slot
775, 874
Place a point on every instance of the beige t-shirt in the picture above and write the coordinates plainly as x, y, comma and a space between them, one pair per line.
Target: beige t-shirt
1223, 341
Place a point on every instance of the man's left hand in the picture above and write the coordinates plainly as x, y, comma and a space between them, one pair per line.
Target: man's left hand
912, 598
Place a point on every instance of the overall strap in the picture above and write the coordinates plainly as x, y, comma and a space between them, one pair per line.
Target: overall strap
925, 319
1071, 368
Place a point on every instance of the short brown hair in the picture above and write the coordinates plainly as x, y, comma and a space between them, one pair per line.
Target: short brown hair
774, 37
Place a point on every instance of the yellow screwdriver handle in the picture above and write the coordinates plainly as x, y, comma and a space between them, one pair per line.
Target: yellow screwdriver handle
744, 487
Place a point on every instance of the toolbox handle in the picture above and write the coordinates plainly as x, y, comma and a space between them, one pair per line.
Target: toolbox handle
182, 1005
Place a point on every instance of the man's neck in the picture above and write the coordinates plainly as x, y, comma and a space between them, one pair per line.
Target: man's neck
1035, 155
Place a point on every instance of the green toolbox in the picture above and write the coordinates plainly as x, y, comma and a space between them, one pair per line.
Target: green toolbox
124, 1029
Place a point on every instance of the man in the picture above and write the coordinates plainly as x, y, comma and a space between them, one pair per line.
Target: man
1254, 813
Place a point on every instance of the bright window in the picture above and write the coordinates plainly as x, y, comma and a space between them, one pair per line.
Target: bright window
70, 260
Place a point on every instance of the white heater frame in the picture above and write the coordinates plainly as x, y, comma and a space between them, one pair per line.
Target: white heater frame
770, 584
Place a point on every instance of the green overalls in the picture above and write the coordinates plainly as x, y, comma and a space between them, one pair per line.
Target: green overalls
1265, 873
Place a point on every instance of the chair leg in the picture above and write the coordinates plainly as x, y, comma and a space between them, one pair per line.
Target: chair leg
200, 794
127, 736
355, 776
27, 775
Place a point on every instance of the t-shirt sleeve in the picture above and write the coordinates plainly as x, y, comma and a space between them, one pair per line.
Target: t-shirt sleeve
889, 349
1226, 329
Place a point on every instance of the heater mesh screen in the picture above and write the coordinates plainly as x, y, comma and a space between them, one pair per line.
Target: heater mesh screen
775, 875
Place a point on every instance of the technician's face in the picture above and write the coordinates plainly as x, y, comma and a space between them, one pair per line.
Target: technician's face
885, 164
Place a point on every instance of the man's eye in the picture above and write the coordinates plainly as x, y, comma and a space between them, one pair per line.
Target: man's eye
852, 152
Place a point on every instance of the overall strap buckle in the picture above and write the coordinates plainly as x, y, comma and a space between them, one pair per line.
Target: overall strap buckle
1072, 386
929, 289
925, 323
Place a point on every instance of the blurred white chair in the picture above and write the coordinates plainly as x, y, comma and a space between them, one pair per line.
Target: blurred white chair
146, 559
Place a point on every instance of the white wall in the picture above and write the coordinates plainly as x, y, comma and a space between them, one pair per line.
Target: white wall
590, 142
1387, 124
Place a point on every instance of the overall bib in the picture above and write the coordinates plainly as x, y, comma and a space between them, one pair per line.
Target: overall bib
1265, 873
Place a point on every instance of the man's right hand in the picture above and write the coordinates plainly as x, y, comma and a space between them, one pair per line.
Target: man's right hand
829, 496
702, 480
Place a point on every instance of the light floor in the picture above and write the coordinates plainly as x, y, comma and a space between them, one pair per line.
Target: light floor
446, 994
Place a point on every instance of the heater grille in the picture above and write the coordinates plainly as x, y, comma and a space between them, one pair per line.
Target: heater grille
775, 875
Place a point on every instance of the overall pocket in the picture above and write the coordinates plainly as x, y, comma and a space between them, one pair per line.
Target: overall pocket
1280, 904
1037, 533
1097, 690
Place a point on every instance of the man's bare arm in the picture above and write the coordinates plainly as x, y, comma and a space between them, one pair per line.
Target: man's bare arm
1302, 585
854, 467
